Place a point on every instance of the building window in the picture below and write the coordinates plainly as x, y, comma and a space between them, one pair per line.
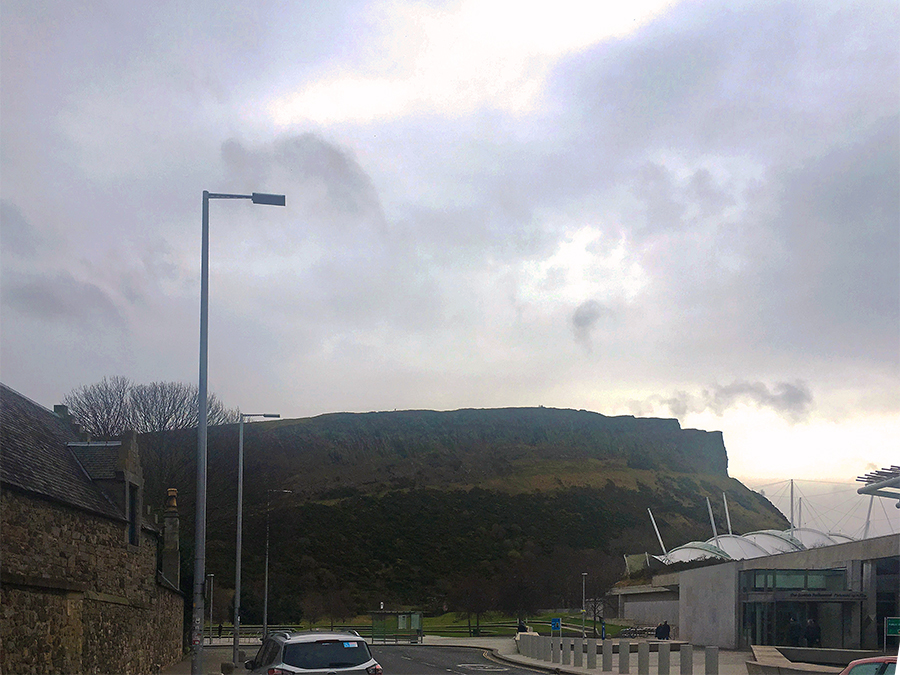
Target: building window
133, 509
793, 580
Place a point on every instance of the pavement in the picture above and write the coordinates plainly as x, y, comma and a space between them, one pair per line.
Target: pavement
502, 649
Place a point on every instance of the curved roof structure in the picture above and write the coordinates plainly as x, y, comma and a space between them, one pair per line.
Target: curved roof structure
693, 550
840, 538
813, 538
737, 547
752, 545
775, 541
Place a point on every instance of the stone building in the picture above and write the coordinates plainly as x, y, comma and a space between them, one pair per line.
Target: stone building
87, 583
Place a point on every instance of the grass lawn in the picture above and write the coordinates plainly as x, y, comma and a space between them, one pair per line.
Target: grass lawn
452, 624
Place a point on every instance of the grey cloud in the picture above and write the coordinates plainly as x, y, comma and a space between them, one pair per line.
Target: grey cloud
585, 318
837, 219
17, 235
62, 298
329, 179
348, 189
354, 268
791, 400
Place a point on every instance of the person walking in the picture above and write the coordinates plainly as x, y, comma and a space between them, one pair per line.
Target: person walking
813, 634
794, 631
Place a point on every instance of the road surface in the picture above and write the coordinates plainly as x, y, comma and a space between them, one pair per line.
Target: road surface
421, 660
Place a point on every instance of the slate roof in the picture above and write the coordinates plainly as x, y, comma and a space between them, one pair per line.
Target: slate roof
98, 460
34, 456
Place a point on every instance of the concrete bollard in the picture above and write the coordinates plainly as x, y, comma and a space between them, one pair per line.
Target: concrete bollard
592, 654
624, 656
578, 653
665, 651
566, 650
686, 659
711, 660
643, 658
607, 656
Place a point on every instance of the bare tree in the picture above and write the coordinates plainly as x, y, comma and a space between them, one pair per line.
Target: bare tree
115, 404
163, 406
103, 409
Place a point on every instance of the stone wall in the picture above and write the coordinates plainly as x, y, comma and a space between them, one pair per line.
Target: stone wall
40, 630
77, 597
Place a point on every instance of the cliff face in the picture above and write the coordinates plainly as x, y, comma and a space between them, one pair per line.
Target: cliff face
416, 505
462, 445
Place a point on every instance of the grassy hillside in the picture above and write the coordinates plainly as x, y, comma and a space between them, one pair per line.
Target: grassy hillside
503, 508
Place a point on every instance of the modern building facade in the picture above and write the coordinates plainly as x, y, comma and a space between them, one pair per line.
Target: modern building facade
846, 589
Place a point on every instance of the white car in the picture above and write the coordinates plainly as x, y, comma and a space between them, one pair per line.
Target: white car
337, 653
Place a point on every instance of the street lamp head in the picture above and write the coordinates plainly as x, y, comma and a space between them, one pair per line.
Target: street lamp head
264, 198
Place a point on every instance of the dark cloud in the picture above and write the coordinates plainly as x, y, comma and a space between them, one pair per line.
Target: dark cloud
328, 188
791, 400
17, 236
585, 318
62, 298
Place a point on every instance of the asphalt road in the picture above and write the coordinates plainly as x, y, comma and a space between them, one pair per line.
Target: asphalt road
421, 660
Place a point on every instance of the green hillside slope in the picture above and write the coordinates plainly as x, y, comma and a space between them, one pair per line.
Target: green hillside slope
435, 509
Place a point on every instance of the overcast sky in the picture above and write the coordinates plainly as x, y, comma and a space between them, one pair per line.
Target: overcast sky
671, 209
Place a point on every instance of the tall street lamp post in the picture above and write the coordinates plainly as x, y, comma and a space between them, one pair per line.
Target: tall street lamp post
200, 525
266, 581
583, 608
240, 520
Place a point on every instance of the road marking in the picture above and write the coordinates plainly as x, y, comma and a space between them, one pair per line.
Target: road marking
487, 667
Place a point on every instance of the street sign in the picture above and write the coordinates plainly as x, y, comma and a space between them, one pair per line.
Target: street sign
555, 624
892, 626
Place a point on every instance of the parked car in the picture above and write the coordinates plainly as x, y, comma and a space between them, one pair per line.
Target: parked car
877, 665
287, 653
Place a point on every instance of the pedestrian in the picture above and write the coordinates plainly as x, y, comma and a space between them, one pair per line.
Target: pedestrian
659, 631
795, 631
666, 630
813, 634
220, 629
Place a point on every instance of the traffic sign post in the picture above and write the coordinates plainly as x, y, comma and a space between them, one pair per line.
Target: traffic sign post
891, 628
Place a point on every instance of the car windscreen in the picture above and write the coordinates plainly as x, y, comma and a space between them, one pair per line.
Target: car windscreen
326, 654
873, 669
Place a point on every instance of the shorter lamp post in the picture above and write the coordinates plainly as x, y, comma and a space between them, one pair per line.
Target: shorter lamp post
210, 577
240, 520
266, 582
583, 577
